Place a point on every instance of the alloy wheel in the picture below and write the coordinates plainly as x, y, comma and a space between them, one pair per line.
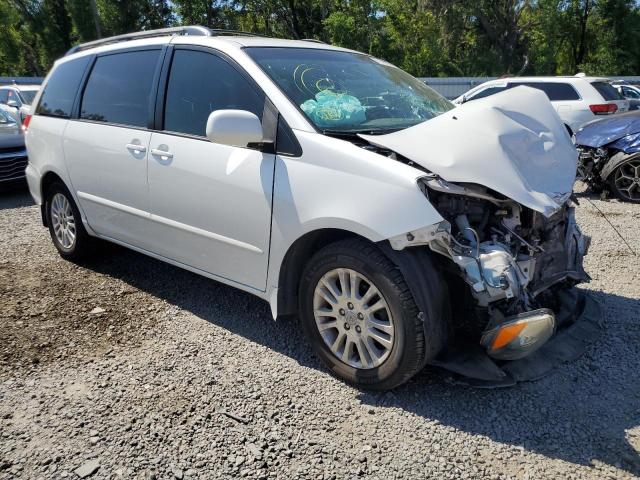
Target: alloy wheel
627, 180
63, 221
353, 318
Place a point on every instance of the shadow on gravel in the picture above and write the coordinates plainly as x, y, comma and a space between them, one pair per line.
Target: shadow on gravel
14, 196
579, 413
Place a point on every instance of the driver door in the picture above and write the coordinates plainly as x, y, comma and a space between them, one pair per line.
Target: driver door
210, 203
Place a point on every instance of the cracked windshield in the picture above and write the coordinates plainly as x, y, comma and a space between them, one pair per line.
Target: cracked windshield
344, 92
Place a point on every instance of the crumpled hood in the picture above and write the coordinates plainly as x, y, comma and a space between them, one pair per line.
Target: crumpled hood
603, 132
512, 142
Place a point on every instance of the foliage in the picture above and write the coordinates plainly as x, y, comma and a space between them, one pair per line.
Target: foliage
425, 37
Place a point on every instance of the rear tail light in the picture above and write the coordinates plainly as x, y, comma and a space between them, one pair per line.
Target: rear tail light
25, 123
604, 108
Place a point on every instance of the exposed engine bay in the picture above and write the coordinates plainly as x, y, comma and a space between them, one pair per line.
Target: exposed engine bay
507, 254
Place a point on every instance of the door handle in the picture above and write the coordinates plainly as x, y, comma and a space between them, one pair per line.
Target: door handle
161, 153
136, 148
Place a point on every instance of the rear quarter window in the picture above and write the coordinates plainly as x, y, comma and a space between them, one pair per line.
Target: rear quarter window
555, 91
60, 91
607, 90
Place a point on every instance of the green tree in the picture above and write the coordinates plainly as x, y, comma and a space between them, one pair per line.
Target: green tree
425, 37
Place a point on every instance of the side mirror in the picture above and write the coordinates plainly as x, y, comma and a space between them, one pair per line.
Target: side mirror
13, 103
236, 128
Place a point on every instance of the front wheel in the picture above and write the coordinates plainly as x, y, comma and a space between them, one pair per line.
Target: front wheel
625, 180
360, 317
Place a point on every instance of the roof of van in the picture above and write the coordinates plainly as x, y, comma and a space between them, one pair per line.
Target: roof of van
194, 35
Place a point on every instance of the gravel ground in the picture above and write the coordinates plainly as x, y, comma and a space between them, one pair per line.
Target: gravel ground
130, 368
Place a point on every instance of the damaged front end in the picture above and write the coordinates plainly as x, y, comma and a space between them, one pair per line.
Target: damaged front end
508, 257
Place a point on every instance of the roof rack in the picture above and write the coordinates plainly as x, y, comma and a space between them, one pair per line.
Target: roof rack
314, 40
190, 30
224, 31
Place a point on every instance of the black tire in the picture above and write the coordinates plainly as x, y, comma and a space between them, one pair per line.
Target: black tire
83, 246
409, 351
629, 165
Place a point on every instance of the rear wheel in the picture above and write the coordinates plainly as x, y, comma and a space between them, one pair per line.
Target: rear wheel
625, 180
65, 224
360, 317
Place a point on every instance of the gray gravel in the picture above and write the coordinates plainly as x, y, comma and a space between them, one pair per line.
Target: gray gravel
181, 377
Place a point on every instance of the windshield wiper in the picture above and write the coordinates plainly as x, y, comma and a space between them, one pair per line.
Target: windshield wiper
353, 133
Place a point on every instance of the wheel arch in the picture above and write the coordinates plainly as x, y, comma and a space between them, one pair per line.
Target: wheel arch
615, 161
48, 179
294, 261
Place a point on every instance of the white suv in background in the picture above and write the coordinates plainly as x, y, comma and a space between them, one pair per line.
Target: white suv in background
578, 100
327, 182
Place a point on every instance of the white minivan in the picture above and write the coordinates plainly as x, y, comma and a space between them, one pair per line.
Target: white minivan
402, 231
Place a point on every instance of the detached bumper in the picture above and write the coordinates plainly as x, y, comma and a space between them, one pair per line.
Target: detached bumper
578, 324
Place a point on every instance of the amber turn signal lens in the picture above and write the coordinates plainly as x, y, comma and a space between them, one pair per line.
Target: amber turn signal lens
507, 334
519, 335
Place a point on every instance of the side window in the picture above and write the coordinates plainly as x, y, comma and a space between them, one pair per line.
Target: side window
61, 88
487, 92
192, 96
555, 91
607, 90
4, 95
286, 142
119, 88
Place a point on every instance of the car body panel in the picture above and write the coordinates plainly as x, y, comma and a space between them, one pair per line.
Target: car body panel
508, 142
621, 131
338, 185
110, 181
197, 198
46, 155
10, 133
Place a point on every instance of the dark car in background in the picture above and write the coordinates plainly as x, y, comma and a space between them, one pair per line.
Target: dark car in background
13, 155
610, 156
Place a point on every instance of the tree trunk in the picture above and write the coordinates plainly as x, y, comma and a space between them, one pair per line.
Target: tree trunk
582, 47
96, 18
